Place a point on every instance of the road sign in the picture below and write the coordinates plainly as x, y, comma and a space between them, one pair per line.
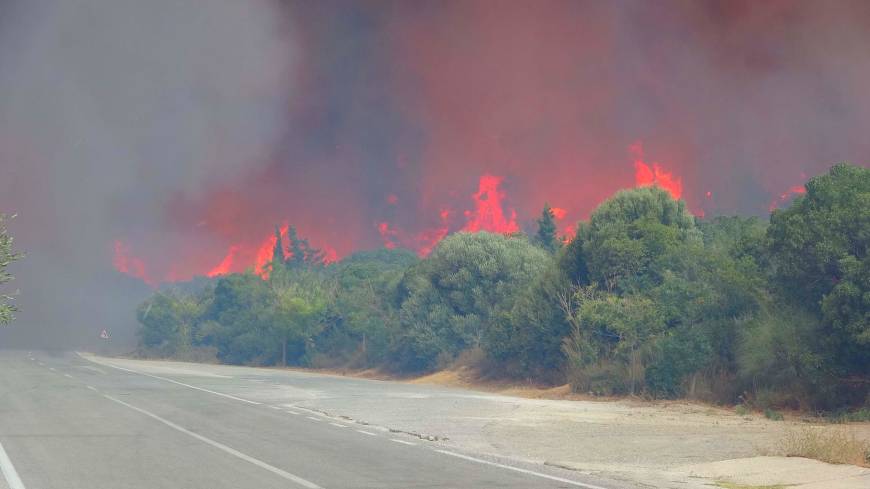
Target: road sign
104, 334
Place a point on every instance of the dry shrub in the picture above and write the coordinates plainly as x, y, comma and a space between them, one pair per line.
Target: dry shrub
835, 446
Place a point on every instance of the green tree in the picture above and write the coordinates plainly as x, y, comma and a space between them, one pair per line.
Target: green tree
296, 317
527, 342
238, 316
457, 295
278, 256
301, 253
367, 305
622, 328
818, 250
7, 256
168, 323
630, 238
546, 235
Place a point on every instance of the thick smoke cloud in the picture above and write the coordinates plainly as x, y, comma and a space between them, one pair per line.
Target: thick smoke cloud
182, 128
110, 111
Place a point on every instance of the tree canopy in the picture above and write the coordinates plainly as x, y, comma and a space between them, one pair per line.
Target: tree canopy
644, 300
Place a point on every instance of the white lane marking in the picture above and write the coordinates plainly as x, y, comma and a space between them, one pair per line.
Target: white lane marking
92, 368
403, 442
294, 412
41, 364
275, 407
312, 418
8, 471
517, 469
92, 388
51, 368
338, 425
221, 446
185, 385
68, 376
366, 432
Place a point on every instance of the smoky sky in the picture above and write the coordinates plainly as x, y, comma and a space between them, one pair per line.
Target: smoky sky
182, 128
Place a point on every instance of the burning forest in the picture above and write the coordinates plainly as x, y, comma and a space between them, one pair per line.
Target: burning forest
171, 151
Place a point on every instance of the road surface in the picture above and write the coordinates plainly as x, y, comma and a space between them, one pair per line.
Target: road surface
67, 422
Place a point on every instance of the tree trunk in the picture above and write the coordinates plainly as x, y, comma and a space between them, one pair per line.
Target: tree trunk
284, 352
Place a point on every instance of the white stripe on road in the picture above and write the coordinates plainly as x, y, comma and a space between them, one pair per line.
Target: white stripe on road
312, 418
338, 425
8, 471
402, 442
294, 412
185, 385
219, 446
92, 388
68, 376
51, 368
366, 432
517, 469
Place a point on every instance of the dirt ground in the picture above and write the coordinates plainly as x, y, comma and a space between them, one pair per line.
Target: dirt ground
663, 443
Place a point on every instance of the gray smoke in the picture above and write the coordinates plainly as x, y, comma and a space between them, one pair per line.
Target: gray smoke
108, 109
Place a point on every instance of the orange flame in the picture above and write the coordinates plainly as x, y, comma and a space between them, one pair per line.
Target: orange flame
488, 214
646, 175
225, 266
785, 196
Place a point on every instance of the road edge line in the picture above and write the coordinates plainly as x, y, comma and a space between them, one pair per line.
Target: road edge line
521, 470
8, 470
228, 396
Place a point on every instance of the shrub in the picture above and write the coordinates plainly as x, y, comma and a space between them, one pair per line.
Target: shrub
773, 415
600, 379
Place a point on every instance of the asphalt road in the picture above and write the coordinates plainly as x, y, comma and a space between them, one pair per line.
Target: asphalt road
69, 423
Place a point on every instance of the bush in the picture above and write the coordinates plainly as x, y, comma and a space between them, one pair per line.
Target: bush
600, 379
773, 415
860, 415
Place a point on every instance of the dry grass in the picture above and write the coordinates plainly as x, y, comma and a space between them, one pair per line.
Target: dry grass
835, 446
731, 485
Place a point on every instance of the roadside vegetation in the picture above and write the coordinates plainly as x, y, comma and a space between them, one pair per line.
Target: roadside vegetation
7, 256
835, 446
645, 300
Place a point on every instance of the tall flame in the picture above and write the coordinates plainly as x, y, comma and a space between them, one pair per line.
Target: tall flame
646, 175
488, 213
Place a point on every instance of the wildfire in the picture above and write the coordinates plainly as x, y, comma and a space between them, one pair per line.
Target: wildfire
124, 262
266, 250
427, 240
488, 214
226, 265
785, 196
646, 175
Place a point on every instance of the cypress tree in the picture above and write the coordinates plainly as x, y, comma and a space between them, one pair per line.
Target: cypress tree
297, 248
278, 255
546, 235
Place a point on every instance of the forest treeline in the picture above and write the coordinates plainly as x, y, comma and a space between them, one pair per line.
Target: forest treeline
645, 300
